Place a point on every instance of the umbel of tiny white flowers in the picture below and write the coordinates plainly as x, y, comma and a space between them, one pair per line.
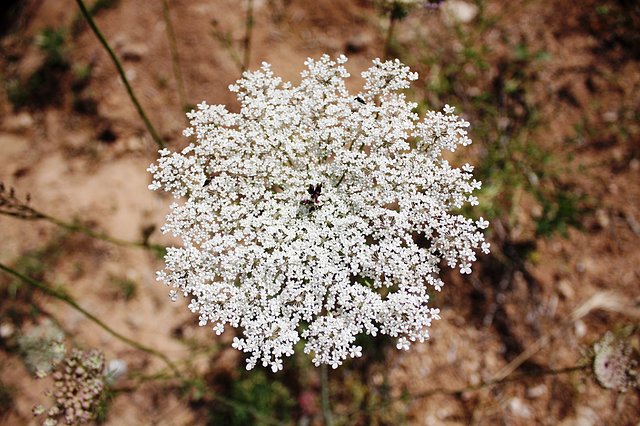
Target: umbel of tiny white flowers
301, 215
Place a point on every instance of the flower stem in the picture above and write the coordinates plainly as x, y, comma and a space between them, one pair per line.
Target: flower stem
248, 36
74, 227
71, 302
175, 58
152, 131
388, 39
25, 212
324, 383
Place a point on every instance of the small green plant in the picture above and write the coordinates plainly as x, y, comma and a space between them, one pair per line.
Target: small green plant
43, 86
124, 288
81, 75
561, 209
52, 42
6, 398
268, 398
83, 100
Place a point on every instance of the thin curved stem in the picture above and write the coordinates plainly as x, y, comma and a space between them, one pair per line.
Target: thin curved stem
71, 302
226, 42
326, 406
74, 227
26, 212
152, 131
469, 388
506, 379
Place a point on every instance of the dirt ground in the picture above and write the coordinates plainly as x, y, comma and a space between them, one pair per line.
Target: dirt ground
560, 77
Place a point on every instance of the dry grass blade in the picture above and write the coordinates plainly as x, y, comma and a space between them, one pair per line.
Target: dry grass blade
607, 301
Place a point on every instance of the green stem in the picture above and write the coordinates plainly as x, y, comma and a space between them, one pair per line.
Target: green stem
32, 214
248, 28
71, 302
175, 58
156, 137
227, 44
74, 227
388, 39
326, 407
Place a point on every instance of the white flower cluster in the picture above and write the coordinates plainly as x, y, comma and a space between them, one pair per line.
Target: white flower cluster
315, 214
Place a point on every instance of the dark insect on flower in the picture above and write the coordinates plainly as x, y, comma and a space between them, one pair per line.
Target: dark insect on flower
359, 99
314, 193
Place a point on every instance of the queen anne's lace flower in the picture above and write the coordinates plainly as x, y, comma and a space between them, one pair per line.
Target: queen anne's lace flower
318, 215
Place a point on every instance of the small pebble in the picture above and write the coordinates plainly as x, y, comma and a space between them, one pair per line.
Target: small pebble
537, 391
115, 369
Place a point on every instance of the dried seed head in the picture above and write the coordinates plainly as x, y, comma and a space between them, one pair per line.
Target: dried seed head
80, 385
614, 365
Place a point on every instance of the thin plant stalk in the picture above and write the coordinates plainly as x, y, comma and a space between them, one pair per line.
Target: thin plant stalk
227, 44
389, 37
470, 388
26, 212
75, 227
152, 131
248, 35
71, 302
175, 58
602, 300
226, 41
507, 379
324, 383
